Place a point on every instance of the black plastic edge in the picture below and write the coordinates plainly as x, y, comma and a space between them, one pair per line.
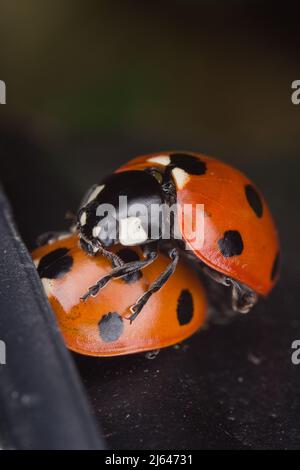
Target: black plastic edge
42, 402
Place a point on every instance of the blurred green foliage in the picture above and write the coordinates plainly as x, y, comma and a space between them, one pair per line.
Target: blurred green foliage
215, 70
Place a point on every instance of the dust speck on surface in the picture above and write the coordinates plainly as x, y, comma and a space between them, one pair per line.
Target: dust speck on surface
254, 359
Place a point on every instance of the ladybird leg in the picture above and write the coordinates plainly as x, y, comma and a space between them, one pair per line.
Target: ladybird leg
243, 298
157, 284
118, 272
112, 257
94, 250
216, 276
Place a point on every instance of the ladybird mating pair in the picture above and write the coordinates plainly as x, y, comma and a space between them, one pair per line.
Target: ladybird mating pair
98, 326
239, 250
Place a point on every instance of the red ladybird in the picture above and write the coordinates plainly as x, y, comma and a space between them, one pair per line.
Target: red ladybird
240, 247
98, 326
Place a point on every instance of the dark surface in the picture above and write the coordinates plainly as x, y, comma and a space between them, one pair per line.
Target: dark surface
231, 386
42, 403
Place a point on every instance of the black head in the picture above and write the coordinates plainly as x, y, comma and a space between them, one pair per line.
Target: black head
119, 211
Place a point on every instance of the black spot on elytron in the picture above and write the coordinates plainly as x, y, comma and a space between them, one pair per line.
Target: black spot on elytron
127, 255
189, 163
185, 307
275, 267
111, 327
231, 244
55, 264
254, 199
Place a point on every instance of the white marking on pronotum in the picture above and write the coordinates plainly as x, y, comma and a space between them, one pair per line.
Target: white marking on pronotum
180, 176
95, 193
83, 219
132, 232
96, 231
47, 284
160, 159
36, 262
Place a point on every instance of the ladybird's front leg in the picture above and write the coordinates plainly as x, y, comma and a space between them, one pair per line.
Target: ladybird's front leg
157, 284
119, 272
96, 249
87, 247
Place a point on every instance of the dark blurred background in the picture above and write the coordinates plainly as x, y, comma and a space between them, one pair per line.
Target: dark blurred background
92, 84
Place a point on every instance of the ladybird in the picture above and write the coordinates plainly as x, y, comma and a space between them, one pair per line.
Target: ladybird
98, 326
240, 248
